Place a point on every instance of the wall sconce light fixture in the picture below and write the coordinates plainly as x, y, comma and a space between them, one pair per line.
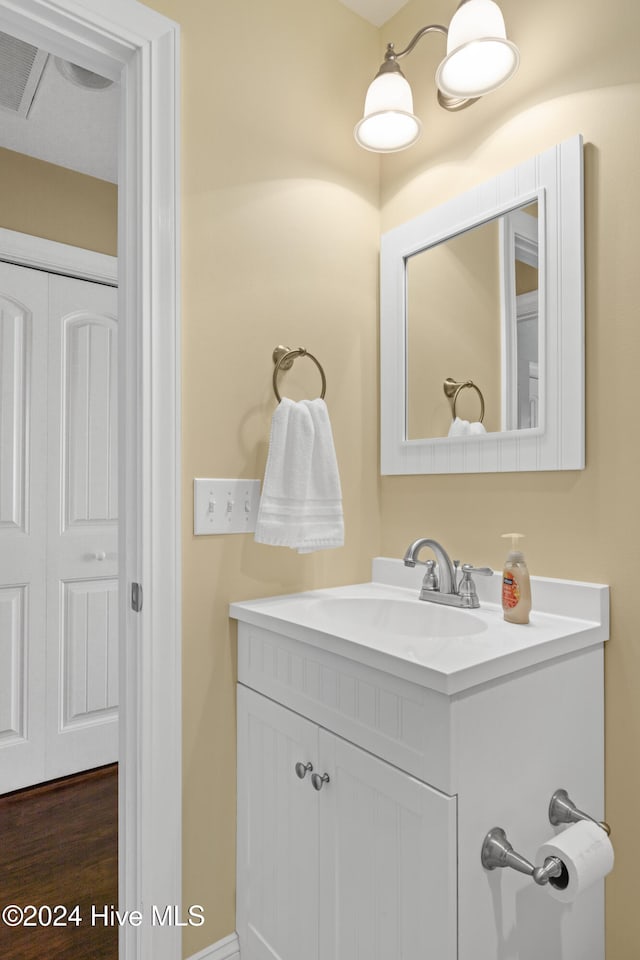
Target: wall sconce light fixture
479, 59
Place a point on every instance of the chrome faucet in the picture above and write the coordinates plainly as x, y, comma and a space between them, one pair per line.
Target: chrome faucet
442, 586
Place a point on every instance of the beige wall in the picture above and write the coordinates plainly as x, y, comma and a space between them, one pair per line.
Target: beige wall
280, 240
48, 201
526, 278
579, 74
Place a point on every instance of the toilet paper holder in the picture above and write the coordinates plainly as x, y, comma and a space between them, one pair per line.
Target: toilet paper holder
563, 810
498, 852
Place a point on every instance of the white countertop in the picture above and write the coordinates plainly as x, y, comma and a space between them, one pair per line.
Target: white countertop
449, 662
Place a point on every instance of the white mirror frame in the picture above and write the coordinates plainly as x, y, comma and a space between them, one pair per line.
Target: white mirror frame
555, 179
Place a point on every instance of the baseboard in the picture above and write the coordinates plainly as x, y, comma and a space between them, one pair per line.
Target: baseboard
227, 949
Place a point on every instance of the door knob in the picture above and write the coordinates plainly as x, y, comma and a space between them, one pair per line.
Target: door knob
318, 781
100, 555
302, 769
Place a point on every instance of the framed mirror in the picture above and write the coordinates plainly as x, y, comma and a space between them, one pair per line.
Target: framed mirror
482, 326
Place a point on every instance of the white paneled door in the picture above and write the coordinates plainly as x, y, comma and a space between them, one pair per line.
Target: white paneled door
58, 526
24, 311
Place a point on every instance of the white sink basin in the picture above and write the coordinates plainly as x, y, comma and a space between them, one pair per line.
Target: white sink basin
399, 618
384, 625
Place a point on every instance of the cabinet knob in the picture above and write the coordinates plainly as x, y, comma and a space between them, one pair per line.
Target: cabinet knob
318, 781
302, 769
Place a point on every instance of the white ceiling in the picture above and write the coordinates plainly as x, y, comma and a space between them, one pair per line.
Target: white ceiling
68, 125
376, 12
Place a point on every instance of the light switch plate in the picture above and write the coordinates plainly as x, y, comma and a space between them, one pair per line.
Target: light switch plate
225, 506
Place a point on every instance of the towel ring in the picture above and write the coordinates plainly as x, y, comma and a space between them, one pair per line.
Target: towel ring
283, 358
452, 389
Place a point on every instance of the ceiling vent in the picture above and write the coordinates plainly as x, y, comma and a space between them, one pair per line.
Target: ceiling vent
21, 66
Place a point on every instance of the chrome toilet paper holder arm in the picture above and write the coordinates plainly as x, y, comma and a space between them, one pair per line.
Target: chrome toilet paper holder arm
498, 852
563, 810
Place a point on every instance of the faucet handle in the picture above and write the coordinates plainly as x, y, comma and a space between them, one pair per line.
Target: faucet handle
468, 569
467, 589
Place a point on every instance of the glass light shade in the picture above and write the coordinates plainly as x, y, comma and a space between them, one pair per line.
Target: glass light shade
479, 56
388, 123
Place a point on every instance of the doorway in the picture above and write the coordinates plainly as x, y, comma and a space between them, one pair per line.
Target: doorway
128, 41
58, 494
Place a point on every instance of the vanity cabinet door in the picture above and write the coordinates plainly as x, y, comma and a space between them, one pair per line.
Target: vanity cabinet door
277, 906
387, 861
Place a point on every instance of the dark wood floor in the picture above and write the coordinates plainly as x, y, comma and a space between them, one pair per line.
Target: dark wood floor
58, 845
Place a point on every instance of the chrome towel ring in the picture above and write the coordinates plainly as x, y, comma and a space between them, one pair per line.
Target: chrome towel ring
283, 358
452, 389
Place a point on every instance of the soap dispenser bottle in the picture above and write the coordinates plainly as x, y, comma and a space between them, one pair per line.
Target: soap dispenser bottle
516, 586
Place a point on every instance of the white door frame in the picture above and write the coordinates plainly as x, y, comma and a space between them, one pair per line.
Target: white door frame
27, 251
124, 39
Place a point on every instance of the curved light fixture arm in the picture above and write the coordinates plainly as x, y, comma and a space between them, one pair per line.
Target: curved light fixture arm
391, 57
391, 54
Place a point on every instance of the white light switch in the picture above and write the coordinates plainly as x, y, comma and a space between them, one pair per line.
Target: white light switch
225, 506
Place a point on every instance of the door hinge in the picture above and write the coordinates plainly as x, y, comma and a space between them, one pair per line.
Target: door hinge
136, 597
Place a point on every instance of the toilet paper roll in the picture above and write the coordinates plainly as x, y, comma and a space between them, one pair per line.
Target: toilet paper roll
587, 854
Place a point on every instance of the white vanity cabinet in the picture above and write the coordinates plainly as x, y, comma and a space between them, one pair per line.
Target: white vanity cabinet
428, 743
278, 843
362, 869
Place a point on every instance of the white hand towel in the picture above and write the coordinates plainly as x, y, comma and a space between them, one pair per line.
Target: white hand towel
301, 502
458, 428
476, 428
462, 428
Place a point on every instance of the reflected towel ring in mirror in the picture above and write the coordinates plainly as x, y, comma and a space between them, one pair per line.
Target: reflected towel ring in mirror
283, 358
452, 389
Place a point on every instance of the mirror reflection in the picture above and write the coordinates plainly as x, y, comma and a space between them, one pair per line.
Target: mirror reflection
472, 330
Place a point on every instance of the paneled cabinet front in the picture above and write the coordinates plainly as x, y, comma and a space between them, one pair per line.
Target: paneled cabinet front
341, 856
